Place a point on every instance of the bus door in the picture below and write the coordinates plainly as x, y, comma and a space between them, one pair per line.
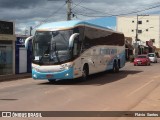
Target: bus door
75, 45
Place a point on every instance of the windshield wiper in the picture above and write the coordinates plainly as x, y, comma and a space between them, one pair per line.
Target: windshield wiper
47, 51
55, 46
56, 53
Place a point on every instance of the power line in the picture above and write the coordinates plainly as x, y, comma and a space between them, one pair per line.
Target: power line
45, 20
142, 10
142, 7
77, 4
88, 15
93, 10
111, 15
75, 7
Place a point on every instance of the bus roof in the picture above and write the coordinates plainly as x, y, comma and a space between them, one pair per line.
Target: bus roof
58, 25
69, 24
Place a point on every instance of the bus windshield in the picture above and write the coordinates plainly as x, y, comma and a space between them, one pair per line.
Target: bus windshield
51, 47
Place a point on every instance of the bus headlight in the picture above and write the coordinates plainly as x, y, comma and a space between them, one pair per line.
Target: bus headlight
36, 69
67, 66
35, 76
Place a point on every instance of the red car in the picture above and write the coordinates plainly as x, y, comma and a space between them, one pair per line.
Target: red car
142, 60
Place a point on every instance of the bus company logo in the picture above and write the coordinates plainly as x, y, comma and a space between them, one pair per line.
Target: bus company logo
6, 114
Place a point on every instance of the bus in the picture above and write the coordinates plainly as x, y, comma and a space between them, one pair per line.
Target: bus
75, 49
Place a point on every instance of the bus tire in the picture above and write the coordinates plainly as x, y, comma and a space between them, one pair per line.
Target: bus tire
51, 80
115, 67
85, 72
119, 63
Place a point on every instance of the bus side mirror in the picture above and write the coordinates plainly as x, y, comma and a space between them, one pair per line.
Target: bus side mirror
27, 41
72, 38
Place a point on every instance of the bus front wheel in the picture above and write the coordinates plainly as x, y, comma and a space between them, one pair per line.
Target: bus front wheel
85, 72
51, 80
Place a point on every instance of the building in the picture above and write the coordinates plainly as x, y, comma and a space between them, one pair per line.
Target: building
146, 31
7, 47
23, 55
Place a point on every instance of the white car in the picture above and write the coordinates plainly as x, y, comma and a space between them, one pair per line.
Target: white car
152, 57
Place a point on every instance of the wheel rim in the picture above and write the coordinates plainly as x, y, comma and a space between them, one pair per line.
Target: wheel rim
114, 69
84, 73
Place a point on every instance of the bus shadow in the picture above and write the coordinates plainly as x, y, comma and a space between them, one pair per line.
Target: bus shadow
96, 79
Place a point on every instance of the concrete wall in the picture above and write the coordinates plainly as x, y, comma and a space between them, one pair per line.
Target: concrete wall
12, 39
127, 25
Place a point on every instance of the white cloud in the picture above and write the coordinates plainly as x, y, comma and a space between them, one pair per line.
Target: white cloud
28, 13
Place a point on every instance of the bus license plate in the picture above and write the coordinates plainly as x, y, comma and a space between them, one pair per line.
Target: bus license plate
49, 76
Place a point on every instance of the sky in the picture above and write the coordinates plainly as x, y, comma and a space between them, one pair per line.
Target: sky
27, 13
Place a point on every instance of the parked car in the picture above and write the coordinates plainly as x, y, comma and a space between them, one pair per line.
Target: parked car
142, 60
152, 57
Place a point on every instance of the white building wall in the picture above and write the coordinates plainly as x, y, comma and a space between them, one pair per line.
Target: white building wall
127, 25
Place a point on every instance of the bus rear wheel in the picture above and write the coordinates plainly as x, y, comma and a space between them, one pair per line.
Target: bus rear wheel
115, 67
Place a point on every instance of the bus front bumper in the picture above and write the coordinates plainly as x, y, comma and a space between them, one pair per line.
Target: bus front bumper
65, 74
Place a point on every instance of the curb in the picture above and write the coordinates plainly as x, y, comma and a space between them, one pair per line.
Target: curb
4, 78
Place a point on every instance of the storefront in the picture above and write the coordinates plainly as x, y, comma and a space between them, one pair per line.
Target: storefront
141, 49
151, 48
23, 56
7, 48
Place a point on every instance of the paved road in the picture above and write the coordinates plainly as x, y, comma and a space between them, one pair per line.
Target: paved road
123, 91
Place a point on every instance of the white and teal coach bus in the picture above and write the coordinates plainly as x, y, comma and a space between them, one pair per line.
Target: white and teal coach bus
73, 49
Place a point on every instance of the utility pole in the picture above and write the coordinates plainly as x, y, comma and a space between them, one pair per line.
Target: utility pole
136, 39
31, 30
69, 9
137, 30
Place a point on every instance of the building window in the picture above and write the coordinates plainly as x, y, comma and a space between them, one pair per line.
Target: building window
146, 30
147, 20
132, 30
139, 31
139, 22
132, 21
